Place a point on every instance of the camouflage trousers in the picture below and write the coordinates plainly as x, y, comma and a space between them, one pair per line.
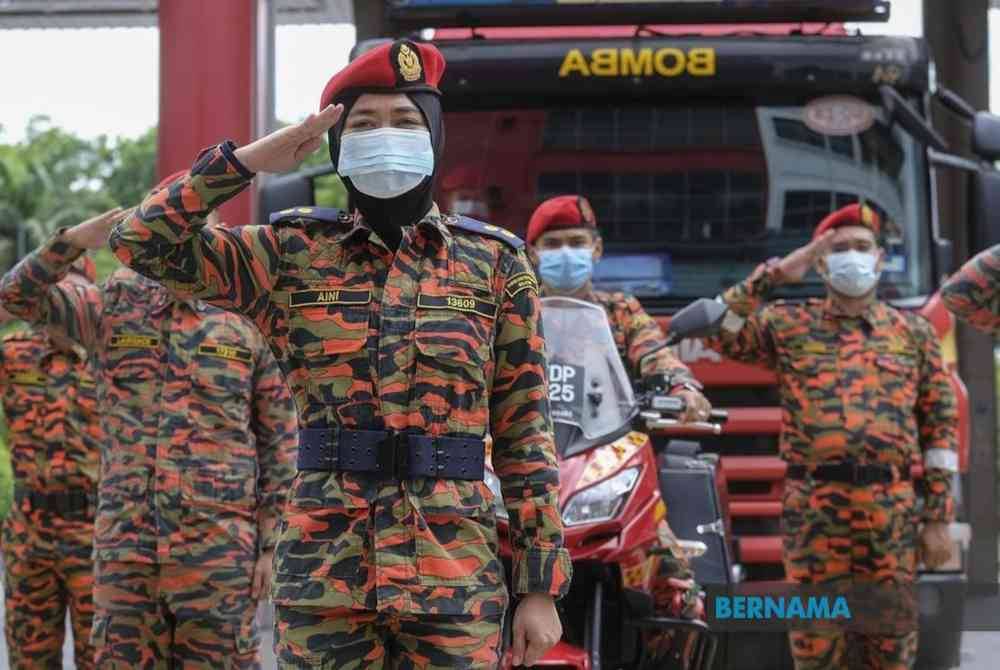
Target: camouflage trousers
346, 639
172, 616
48, 569
841, 534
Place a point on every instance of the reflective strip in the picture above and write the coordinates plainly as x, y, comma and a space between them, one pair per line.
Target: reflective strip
942, 459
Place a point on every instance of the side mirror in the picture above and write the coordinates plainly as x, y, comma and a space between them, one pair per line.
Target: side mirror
278, 193
899, 111
984, 203
699, 319
986, 136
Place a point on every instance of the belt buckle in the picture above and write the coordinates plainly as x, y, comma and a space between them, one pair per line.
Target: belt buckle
387, 458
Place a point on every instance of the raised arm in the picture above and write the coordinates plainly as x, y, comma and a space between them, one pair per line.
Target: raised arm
32, 290
523, 448
973, 293
167, 238
745, 334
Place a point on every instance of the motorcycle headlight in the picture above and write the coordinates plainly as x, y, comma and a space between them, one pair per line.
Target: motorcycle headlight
602, 501
492, 481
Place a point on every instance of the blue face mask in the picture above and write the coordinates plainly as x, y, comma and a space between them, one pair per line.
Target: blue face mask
386, 162
565, 268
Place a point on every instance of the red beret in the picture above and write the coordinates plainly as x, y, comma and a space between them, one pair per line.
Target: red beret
84, 266
166, 181
852, 215
564, 211
401, 66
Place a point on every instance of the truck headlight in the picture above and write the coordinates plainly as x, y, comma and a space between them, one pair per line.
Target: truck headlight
601, 501
492, 481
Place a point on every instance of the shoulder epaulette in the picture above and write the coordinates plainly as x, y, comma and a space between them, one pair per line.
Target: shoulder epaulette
489, 230
327, 214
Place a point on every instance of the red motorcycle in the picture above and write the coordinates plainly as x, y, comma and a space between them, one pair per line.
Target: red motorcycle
612, 509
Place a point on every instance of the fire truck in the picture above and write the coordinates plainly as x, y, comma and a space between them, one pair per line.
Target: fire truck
710, 137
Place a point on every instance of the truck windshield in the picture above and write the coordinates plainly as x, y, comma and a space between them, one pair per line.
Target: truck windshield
690, 198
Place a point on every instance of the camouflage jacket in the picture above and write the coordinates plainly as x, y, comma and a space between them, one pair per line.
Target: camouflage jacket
50, 401
441, 337
973, 293
871, 389
201, 428
640, 339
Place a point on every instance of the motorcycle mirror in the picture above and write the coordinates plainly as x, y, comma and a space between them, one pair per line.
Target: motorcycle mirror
699, 319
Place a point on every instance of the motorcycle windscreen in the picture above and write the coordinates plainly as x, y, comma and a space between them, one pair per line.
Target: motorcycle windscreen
588, 386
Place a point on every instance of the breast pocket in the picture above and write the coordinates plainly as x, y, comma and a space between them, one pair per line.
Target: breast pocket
812, 376
133, 367
221, 384
898, 380
453, 363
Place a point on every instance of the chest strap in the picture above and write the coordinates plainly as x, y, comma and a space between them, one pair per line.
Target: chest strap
391, 454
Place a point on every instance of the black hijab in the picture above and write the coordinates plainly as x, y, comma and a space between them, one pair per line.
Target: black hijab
388, 216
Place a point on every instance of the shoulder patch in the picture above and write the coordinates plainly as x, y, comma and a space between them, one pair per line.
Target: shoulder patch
327, 214
522, 281
487, 229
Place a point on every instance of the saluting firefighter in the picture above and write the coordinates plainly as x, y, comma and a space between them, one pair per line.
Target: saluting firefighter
50, 401
407, 336
864, 395
198, 456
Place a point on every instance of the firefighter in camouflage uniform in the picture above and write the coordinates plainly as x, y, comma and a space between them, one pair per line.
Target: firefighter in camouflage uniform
407, 336
564, 244
864, 396
199, 453
50, 401
973, 293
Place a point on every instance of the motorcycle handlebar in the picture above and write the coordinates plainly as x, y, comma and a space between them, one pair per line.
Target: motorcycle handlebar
675, 407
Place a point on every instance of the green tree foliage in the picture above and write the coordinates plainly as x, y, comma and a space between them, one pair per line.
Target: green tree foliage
128, 167
53, 178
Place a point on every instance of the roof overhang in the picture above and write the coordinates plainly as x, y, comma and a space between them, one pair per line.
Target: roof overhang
41, 14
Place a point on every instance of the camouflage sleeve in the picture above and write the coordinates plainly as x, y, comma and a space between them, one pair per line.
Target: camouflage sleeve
744, 335
523, 447
647, 352
32, 291
166, 238
275, 427
937, 423
973, 293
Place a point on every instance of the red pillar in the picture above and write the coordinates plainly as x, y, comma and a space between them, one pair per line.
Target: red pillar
206, 84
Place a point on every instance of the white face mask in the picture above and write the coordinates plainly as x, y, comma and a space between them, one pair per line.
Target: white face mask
852, 272
386, 162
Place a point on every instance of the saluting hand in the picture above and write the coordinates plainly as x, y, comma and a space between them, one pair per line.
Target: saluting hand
93, 233
795, 265
284, 149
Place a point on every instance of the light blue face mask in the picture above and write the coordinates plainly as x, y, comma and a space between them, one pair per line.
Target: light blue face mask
386, 162
853, 273
566, 268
